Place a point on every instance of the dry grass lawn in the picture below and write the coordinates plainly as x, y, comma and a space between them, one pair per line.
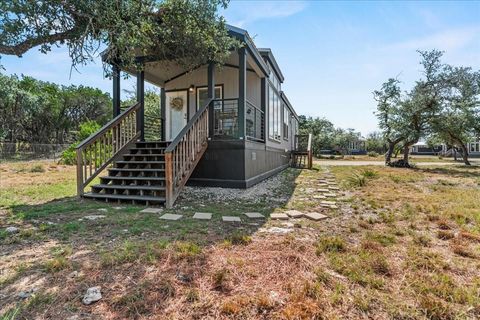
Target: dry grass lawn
403, 244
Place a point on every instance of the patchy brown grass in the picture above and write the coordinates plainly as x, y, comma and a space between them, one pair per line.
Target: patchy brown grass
405, 245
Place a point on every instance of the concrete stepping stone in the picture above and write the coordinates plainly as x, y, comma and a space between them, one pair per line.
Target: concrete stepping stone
202, 216
294, 213
323, 190
330, 195
279, 216
319, 196
152, 210
254, 215
170, 216
231, 219
315, 216
333, 188
328, 202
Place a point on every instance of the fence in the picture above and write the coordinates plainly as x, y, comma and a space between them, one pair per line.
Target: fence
30, 151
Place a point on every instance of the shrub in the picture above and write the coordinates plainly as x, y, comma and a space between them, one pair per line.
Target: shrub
372, 154
86, 129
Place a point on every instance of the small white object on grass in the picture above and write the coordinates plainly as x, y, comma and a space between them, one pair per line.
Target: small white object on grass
92, 295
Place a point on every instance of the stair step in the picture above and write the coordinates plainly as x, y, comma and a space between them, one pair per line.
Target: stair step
136, 170
134, 178
138, 161
123, 197
129, 187
144, 155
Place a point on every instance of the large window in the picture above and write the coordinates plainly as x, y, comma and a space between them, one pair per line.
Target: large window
274, 115
202, 96
286, 120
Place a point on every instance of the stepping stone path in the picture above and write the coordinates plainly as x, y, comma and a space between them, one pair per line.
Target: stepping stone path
319, 196
328, 202
323, 190
152, 210
330, 195
294, 213
254, 215
279, 216
202, 216
315, 216
334, 188
169, 216
231, 219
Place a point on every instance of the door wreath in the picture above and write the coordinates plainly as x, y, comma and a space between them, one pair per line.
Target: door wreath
176, 103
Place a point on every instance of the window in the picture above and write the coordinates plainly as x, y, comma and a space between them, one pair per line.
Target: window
271, 129
286, 120
202, 96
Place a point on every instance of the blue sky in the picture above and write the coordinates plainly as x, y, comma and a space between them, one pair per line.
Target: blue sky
333, 54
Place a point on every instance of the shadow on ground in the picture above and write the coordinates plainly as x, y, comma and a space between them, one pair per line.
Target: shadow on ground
137, 258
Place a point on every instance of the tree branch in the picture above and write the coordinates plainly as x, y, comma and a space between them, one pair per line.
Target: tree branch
22, 47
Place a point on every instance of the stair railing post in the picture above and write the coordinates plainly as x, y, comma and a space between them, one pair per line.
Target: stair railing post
141, 100
168, 180
79, 173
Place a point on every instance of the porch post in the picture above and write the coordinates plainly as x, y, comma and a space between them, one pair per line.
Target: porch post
163, 112
116, 90
263, 105
211, 95
242, 86
141, 99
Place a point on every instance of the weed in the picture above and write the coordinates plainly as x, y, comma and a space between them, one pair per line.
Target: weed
383, 239
463, 251
186, 249
330, 244
357, 180
192, 295
369, 173
445, 234
239, 239
36, 168
422, 240
57, 264
220, 280
435, 309
419, 259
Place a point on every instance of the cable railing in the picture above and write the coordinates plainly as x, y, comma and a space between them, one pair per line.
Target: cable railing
254, 122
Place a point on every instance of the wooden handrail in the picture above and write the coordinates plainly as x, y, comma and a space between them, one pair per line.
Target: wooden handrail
96, 152
309, 151
301, 148
185, 151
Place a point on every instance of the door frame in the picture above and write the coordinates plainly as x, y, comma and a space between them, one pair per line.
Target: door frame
167, 109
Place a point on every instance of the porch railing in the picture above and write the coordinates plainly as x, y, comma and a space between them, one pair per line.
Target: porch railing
96, 152
183, 154
255, 122
226, 120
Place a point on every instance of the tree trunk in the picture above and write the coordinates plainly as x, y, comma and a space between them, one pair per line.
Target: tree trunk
454, 153
388, 154
465, 154
406, 153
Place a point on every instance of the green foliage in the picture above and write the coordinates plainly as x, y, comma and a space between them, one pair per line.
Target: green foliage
190, 31
326, 136
443, 107
372, 154
35, 111
86, 129
330, 244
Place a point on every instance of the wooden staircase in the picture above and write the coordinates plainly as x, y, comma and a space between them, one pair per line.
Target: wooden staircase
140, 172
302, 155
138, 178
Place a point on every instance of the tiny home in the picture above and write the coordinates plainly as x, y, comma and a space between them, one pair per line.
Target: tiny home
227, 126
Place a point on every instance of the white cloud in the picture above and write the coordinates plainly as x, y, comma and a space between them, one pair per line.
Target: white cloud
449, 40
242, 13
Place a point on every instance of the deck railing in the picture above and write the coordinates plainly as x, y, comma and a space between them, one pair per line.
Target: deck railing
225, 118
254, 118
183, 154
96, 152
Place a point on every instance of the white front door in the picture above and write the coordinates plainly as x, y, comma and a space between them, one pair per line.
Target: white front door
176, 112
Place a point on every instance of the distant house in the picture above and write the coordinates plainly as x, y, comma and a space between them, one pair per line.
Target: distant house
229, 127
472, 147
422, 148
357, 146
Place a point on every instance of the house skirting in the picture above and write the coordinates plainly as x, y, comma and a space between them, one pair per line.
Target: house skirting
238, 164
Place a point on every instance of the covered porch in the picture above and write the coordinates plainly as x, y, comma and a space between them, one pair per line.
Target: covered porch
237, 88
